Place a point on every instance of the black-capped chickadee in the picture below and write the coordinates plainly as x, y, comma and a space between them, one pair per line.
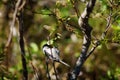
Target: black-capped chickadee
53, 53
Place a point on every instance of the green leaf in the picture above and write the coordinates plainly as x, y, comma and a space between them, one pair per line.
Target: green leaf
34, 47
45, 12
109, 73
116, 27
77, 54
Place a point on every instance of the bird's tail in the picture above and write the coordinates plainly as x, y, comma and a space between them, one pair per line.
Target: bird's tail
64, 63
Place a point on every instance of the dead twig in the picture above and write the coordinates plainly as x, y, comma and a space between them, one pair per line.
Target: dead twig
13, 23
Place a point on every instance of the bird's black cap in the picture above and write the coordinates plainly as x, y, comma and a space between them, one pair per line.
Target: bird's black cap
50, 46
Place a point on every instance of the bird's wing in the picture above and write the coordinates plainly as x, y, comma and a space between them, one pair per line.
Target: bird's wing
57, 51
52, 55
48, 55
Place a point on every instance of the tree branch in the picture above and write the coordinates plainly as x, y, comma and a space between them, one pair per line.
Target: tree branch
13, 23
21, 42
74, 3
98, 42
86, 29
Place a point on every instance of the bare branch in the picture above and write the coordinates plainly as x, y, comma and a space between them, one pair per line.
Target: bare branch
98, 42
36, 72
21, 42
13, 23
47, 69
22, 5
86, 29
9, 41
74, 3
107, 26
55, 71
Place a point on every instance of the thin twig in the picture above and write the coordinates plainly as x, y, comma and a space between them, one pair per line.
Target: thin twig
55, 70
7, 45
98, 42
35, 71
13, 23
63, 21
75, 7
47, 69
22, 5
108, 25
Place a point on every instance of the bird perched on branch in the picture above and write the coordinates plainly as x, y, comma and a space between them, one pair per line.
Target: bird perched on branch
53, 53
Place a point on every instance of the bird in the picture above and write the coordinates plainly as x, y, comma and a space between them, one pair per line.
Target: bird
53, 53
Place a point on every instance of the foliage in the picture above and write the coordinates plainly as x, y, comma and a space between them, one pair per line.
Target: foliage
57, 18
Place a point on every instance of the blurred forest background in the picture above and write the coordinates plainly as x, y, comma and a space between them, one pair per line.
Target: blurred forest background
58, 18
